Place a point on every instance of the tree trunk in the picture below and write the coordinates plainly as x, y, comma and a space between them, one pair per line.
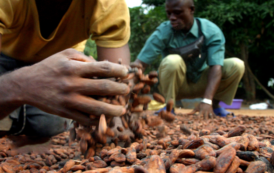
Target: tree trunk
248, 80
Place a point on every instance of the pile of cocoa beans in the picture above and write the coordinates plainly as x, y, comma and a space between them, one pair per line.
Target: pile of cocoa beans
188, 144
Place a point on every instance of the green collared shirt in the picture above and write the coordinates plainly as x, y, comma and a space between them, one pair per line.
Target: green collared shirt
165, 38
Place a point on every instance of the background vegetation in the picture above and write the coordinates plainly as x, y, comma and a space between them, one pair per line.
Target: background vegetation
248, 26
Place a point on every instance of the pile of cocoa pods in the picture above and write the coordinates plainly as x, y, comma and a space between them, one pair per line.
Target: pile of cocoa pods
188, 144
141, 142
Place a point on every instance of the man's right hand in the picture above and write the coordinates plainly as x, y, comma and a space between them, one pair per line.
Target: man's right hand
63, 85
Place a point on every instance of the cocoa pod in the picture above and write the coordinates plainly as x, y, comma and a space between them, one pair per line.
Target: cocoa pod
256, 167
69, 164
224, 160
186, 153
238, 131
206, 164
203, 151
194, 144
146, 89
131, 155
159, 98
78, 167
189, 169
253, 144
153, 74
176, 168
155, 165
234, 165
248, 155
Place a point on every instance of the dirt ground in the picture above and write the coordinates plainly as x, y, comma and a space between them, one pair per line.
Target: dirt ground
268, 112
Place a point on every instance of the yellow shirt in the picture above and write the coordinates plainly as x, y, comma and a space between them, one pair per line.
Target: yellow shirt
106, 20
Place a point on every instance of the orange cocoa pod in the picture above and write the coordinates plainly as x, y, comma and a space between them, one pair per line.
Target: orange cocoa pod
109, 132
176, 168
188, 161
203, 151
174, 155
120, 164
256, 167
90, 153
153, 74
253, 144
99, 164
131, 155
155, 121
234, 165
138, 87
194, 144
125, 124
169, 105
155, 165
186, 153
168, 116
69, 164
189, 169
78, 167
146, 89
122, 100
238, 131
224, 160
7, 168
159, 98
206, 164
102, 125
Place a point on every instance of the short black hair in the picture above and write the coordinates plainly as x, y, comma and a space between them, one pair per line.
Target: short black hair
190, 3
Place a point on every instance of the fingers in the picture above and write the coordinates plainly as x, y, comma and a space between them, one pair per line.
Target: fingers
102, 69
94, 107
80, 117
101, 87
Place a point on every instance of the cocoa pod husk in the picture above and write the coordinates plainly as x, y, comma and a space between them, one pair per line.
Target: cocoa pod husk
234, 165
238, 131
159, 98
176, 168
69, 164
155, 165
256, 167
203, 151
224, 160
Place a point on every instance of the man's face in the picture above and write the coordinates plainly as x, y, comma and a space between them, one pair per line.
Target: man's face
180, 14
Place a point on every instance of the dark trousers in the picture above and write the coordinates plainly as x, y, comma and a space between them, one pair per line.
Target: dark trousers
29, 120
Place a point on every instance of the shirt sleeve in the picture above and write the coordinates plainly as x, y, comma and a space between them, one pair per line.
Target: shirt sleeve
215, 45
6, 15
110, 23
153, 46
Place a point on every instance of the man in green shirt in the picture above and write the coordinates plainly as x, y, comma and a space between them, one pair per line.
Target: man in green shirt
191, 75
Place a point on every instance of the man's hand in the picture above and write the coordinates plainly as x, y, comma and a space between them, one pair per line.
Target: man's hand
205, 110
64, 83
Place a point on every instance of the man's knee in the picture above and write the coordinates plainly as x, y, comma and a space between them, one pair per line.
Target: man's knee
172, 63
235, 65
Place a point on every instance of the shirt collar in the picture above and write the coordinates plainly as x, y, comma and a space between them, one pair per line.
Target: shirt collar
194, 29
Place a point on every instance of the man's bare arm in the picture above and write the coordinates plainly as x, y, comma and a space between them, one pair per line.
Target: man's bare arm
114, 54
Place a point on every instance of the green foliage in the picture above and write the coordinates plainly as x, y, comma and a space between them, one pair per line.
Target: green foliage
154, 2
142, 26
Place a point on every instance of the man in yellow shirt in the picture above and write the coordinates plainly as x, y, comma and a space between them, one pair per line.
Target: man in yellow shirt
41, 78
